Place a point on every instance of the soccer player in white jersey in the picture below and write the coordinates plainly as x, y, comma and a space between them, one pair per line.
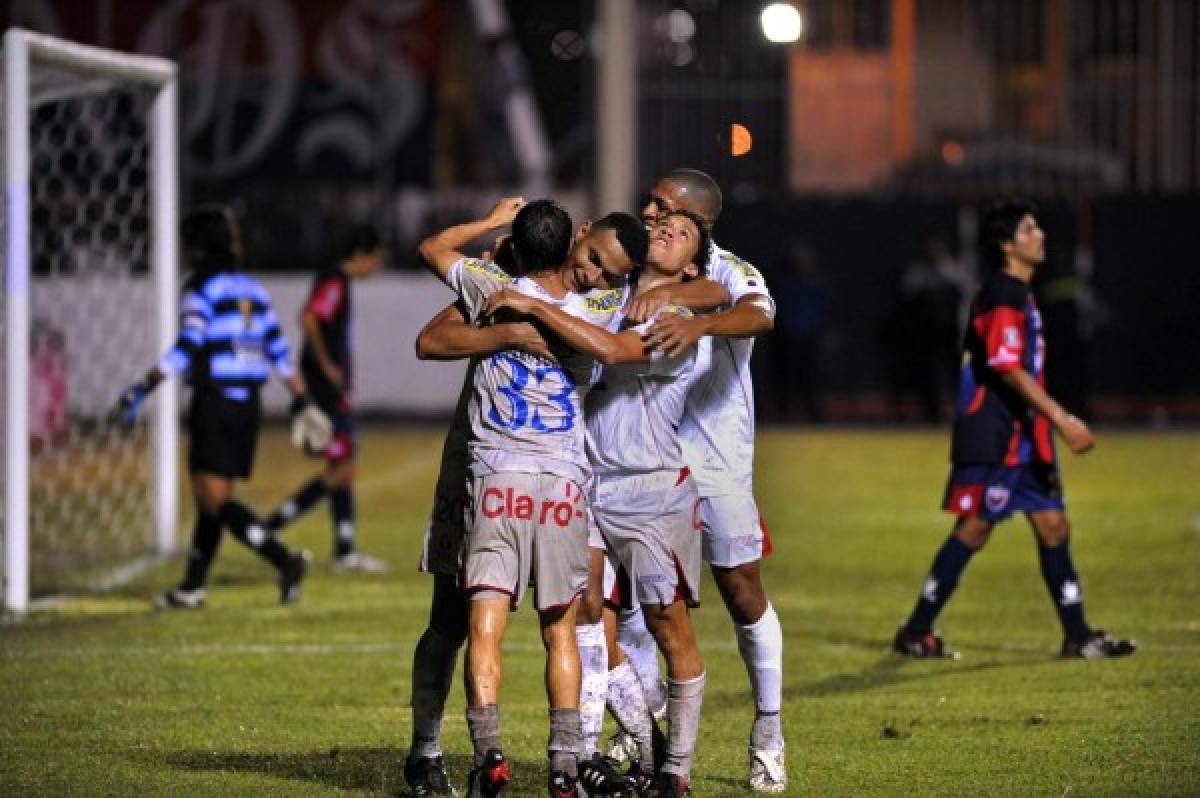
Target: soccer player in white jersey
603, 252
527, 466
718, 441
643, 499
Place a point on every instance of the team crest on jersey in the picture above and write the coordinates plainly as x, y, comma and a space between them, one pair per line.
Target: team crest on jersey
603, 301
742, 267
488, 268
1012, 337
996, 498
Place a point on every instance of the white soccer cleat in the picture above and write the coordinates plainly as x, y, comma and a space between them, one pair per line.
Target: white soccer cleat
179, 599
768, 772
356, 561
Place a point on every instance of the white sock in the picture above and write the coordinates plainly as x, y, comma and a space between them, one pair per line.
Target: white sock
627, 702
593, 662
761, 647
637, 642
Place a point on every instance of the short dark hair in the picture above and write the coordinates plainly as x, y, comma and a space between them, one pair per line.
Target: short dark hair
541, 235
702, 190
210, 238
631, 233
360, 239
997, 226
703, 243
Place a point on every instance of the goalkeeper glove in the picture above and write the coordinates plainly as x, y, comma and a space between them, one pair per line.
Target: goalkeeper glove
311, 429
125, 411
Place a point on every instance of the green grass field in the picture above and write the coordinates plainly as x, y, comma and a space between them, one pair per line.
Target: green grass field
103, 696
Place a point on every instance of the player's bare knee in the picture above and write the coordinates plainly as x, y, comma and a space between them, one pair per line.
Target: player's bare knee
974, 533
1053, 531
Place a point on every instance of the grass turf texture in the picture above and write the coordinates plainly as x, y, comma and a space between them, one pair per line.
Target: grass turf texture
103, 696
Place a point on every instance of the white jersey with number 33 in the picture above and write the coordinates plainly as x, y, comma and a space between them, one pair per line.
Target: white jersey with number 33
526, 412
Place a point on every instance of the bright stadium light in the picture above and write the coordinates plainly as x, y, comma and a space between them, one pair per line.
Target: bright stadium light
781, 23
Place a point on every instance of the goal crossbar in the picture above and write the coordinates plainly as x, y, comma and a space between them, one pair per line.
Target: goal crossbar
21, 49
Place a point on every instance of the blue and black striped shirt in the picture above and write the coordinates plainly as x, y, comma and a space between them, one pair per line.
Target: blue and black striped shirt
229, 336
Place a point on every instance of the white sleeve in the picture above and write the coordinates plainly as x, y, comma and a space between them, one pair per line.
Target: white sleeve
738, 277
474, 280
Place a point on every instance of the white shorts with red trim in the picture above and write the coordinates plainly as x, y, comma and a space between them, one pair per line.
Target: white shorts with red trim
732, 529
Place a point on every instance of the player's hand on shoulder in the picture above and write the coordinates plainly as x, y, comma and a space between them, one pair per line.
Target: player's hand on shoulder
504, 211
1076, 433
674, 334
644, 306
507, 300
129, 403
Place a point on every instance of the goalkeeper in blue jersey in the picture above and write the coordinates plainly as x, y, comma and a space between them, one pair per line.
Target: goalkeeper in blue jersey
229, 341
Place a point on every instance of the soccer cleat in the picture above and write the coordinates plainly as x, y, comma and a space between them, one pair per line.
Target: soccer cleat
640, 778
768, 773
598, 776
292, 576
669, 785
1098, 646
927, 646
487, 780
563, 786
358, 562
426, 775
179, 599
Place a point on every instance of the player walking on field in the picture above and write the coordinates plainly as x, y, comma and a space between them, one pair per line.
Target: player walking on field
229, 340
527, 469
717, 434
1002, 449
327, 365
643, 499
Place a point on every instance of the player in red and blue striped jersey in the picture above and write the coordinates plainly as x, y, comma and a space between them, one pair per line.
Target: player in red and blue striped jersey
1002, 448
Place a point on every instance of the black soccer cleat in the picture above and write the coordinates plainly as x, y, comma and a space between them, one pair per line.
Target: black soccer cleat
490, 778
426, 775
1098, 645
292, 576
927, 646
669, 785
641, 779
599, 776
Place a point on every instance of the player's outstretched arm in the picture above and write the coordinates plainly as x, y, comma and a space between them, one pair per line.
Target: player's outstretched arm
580, 335
441, 250
1076, 433
697, 295
448, 336
751, 316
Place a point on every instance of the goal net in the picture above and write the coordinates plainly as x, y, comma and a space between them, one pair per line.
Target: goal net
89, 227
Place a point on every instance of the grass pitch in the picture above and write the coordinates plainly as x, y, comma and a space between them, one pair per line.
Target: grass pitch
104, 696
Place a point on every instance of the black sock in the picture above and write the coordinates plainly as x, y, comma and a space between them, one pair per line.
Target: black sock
948, 565
1063, 583
206, 537
249, 530
297, 504
341, 510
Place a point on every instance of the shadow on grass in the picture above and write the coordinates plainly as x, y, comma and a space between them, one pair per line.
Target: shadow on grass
377, 771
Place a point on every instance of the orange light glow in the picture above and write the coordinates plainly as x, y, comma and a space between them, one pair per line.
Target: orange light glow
953, 153
740, 140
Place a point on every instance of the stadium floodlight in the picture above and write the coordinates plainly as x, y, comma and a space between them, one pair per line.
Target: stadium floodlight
91, 181
781, 23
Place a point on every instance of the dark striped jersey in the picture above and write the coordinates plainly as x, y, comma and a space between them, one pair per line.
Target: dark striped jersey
229, 336
329, 302
994, 425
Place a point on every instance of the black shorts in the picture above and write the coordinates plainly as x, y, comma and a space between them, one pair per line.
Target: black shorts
224, 434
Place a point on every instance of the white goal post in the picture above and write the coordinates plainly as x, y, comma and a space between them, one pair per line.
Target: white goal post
83, 71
